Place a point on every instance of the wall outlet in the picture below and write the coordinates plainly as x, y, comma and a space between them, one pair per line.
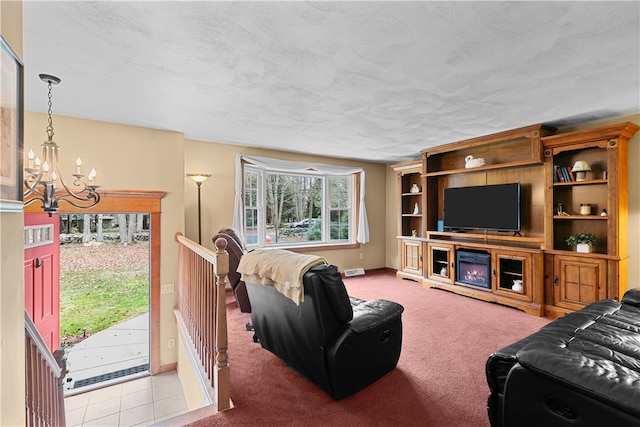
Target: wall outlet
361, 256
171, 343
167, 289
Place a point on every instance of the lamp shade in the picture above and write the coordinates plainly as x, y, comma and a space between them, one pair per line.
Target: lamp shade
198, 177
581, 166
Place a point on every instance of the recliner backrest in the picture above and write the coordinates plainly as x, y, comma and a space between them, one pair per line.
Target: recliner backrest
235, 250
235, 253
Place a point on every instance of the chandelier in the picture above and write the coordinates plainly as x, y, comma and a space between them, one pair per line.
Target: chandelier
43, 181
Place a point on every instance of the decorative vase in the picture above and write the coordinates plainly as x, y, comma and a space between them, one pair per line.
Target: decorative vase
416, 209
583, 248
517, 286
414, 189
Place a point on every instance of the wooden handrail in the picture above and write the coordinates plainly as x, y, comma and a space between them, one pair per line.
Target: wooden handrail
44, 373
202, 278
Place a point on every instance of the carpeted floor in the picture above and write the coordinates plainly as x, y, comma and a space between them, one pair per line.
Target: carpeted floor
439, 380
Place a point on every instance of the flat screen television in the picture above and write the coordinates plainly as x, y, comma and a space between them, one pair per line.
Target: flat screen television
483, 207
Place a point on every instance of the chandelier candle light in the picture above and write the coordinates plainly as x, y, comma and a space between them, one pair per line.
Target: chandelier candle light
43, 177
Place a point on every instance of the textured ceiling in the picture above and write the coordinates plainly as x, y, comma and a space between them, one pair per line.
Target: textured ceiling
376, 81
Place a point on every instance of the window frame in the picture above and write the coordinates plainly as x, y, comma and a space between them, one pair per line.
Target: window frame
326, 176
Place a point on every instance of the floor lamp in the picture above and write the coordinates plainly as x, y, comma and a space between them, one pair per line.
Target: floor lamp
199, 178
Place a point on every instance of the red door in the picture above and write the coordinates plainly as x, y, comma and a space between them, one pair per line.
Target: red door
42, 275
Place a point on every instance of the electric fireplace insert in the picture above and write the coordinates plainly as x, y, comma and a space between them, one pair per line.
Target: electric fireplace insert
473, 268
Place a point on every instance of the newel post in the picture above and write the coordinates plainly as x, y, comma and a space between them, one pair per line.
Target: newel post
223, 379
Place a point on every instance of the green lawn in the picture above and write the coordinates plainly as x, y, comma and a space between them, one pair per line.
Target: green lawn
99, 299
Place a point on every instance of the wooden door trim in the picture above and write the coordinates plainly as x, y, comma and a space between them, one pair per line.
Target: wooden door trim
134, 201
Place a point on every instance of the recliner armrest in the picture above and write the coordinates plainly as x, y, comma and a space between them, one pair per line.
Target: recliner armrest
369, 315
601, 378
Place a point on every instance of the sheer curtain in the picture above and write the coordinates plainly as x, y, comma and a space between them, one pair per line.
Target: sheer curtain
268, 163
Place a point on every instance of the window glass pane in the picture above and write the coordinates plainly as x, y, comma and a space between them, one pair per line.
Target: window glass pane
339, 193
339, 224
251, 207
250, 189
340, 189
293, 205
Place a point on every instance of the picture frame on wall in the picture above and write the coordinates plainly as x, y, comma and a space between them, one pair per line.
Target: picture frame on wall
11, 128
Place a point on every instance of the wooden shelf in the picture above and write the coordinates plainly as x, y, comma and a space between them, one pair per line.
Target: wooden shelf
484, 237
484, 168
581, 217
572, 183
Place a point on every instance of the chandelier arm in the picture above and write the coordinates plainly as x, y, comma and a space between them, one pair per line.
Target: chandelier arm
92, 199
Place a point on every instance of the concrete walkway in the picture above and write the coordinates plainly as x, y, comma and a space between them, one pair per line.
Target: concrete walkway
108, 357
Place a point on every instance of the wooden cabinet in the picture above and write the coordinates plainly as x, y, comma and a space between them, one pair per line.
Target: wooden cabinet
410, 199
578, 281
506, 266
554, 205
441, 265
410, 223
411, 258
509, 157
595, 203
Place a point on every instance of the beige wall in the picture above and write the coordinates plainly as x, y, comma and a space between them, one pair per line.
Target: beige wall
11, 271
393, 258
218, 194
127, 157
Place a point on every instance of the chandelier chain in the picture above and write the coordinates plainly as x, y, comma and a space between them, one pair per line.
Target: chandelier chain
50, 127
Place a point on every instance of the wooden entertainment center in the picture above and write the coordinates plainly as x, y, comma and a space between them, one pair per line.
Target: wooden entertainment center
533, 270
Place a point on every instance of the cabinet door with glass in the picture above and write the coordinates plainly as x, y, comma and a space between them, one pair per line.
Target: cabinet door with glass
512, 274
440, 265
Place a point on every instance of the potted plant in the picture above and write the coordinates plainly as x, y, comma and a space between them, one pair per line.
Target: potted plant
582, 241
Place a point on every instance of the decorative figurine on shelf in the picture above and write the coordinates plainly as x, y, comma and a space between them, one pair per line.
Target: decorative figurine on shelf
470, 162
414, 188
416, 209
414, 233
603, 213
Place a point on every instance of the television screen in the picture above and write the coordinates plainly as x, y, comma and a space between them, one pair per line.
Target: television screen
484, 207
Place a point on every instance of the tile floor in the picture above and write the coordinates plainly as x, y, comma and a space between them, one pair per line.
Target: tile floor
140, 402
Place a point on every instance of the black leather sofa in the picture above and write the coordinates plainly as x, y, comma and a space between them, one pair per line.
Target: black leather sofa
580, 370
341, 344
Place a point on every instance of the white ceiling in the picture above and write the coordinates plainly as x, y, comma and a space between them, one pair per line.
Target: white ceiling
376, 81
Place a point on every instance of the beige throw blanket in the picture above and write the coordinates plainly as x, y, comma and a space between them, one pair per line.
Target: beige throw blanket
279, 268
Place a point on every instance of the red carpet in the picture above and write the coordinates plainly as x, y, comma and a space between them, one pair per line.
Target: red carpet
439, 380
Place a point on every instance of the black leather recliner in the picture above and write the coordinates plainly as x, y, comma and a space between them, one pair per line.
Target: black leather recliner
341, 344
235, 250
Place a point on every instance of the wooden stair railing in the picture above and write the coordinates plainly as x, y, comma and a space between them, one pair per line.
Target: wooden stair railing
44, 374
202, 277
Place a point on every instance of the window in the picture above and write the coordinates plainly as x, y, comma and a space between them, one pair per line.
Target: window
296, 204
